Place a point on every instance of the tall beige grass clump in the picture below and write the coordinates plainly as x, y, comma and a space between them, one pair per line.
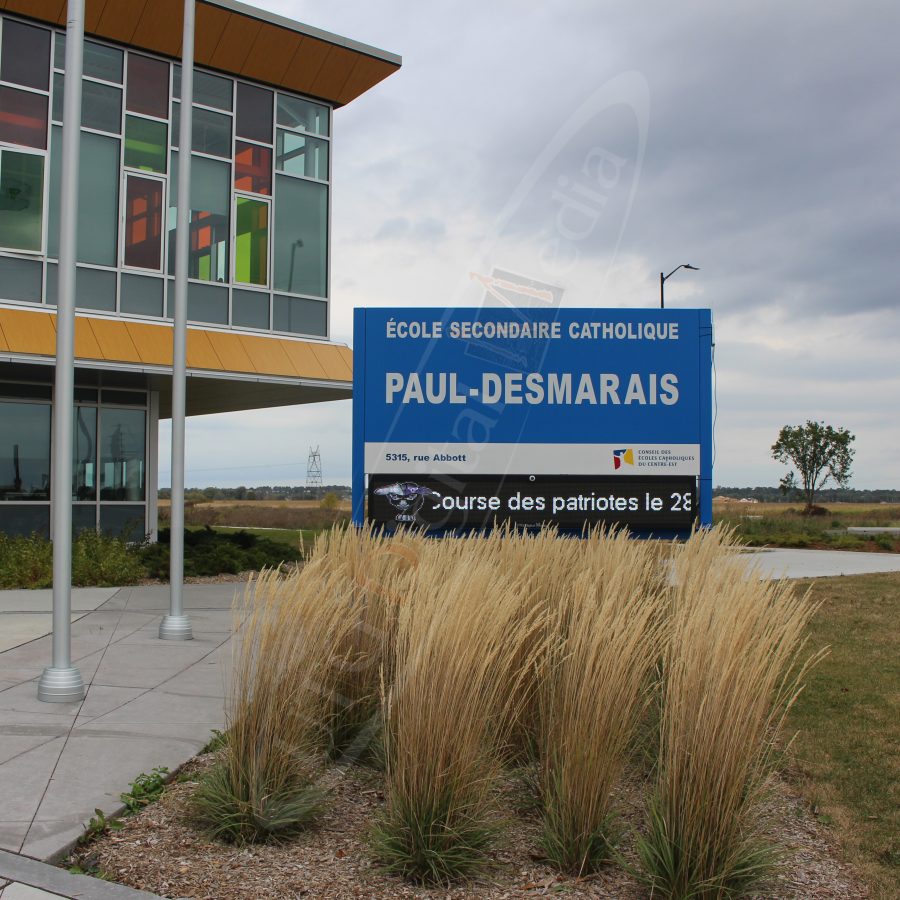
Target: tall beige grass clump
606, 636
731, 669
374, 572
458, 639
290, 631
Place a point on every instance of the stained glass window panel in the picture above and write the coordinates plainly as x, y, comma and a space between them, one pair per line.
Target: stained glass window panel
252, 168
143, 222
148, 86
251, 241
145, 144
23, 118
254, 113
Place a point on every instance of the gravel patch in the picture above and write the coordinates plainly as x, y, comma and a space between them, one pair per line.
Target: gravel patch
159, 850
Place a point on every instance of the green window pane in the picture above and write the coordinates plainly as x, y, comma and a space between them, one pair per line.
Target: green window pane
302, 115
301, 236
101, 107
21, 200
84, 454
209, 217
300, 155
145, 144
98, 189
251, 241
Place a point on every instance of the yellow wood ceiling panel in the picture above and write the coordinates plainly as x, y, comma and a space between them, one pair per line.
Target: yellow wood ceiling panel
332, 362
269, 356
231, 352
118, 20
86, 344
115, 341
211, 22
346, 354
29, 332
366, 73
305, 64
3, 342
303, 360
334, 72
159, 26
200, 353
153, 342
93, 10
45, 10
271, 54
234, 46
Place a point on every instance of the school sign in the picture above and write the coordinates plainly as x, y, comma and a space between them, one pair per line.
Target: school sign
463, 418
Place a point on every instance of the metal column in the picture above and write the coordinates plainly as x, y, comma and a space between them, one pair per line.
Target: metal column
176, 626
61, 682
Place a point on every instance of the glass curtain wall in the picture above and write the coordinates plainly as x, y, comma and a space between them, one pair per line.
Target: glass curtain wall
260, 172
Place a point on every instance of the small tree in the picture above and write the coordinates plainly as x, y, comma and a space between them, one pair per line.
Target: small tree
818, 452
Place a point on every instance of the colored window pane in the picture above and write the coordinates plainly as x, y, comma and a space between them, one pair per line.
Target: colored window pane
23, 118
98, 200
25, 451
211, 133
209, 218
148, 86
25, 55
21, 200
103, 62
145, 144
84, 454
300, 155
301, 236
249, 309
254, 113
211, 90
302, 115
251, 241
143, 222
101, 107
252, 168
122, 454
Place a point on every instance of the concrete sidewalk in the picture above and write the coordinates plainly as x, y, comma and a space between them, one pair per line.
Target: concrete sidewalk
778, 563
149, 703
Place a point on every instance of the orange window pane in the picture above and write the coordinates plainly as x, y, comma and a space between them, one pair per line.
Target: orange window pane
253, 168
23, 118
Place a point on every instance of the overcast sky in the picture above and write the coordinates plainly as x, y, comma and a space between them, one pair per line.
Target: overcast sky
756, 140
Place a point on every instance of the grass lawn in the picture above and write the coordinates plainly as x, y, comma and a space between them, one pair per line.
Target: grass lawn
292, 536
847, 754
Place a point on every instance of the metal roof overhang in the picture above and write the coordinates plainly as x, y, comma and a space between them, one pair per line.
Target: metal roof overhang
227, 371
234, 38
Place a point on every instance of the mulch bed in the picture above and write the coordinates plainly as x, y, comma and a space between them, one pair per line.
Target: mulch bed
159, 850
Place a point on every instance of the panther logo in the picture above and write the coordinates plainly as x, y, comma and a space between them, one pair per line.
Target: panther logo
407, 498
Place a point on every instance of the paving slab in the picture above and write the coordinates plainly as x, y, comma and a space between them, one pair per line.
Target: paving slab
785, 563
83, 599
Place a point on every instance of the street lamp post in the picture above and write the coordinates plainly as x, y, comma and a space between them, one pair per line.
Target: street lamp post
664, 278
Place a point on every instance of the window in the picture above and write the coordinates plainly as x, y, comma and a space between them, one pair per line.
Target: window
20, 279
101, 61
300, 247
250, 309
300, 316
209, 220
21, 200
24, 451
23, 118
302, 115
251, 241
25, 55
299, 155
211, 90
143, 222
141, 295
145, 144
254, 113
98, 200
252, 168
211, 133
148, 86
101, 107
122, 454
84, 454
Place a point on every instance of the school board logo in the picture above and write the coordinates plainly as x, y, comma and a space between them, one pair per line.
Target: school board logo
407, 498
625, 455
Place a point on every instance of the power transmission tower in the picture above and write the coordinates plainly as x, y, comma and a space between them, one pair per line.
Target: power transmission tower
314, 472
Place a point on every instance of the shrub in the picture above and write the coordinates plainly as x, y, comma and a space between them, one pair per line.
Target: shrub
25, 562
731, 671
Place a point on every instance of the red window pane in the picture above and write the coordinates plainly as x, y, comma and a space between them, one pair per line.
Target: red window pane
148, 86
143, 223
23, 118
252, 168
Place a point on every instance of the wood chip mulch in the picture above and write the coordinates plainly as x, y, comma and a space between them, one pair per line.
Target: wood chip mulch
159, 850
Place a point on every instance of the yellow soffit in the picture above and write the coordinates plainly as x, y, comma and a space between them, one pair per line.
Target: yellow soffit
32, 333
